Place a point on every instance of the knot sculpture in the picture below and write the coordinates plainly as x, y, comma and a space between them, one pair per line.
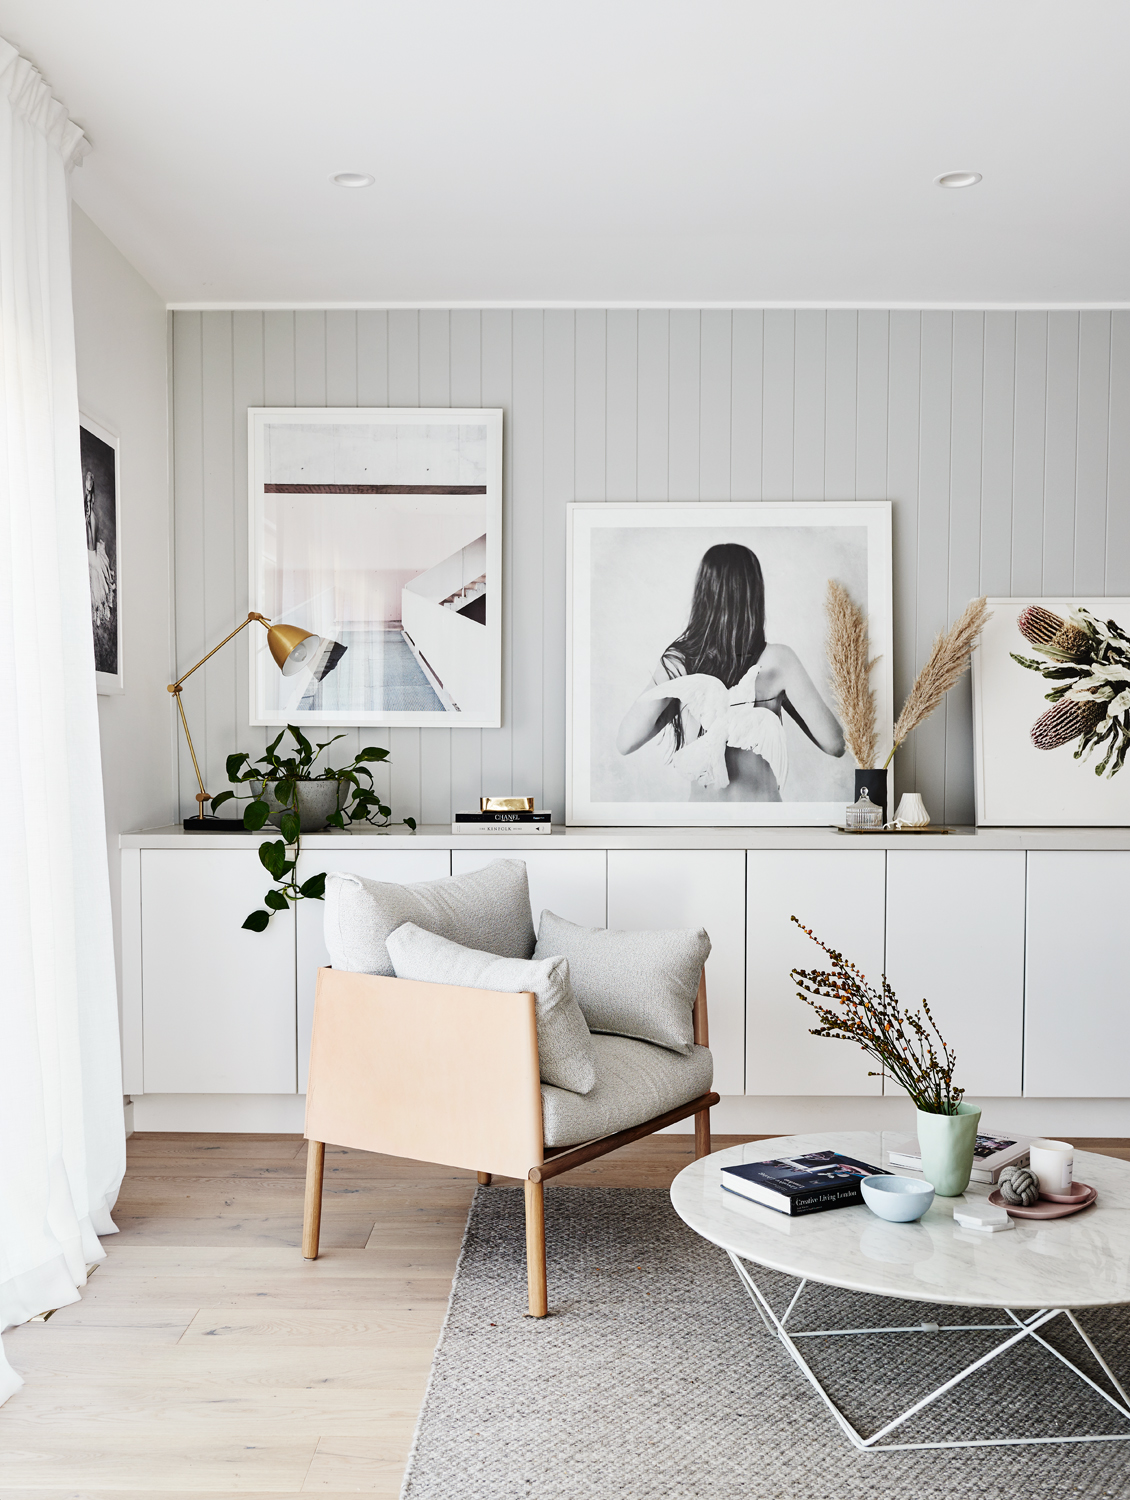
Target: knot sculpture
1019, 1186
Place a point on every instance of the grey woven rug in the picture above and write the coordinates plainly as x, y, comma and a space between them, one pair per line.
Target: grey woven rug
654, 1377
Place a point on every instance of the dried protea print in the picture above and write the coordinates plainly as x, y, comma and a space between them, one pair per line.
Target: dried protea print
1088, 661
1064, 723
1055, 637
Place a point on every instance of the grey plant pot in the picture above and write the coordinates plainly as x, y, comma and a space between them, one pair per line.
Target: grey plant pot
316, 801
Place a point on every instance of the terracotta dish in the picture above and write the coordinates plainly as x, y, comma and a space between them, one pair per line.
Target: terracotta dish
1043, 1209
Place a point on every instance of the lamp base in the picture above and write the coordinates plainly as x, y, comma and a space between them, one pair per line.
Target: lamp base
214, 825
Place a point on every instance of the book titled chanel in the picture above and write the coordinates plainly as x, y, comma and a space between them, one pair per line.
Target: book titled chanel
801, 1184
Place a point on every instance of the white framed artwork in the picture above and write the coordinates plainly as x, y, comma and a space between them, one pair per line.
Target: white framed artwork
98, 453
697, 676
379, 531
1051, 713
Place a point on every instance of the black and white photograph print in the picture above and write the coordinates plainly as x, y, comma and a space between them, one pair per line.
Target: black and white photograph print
98, 452
378, 533
698, 689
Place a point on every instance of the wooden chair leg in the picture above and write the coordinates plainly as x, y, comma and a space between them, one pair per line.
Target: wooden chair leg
701, 1134
484, 1179
535, 1248
312, 1208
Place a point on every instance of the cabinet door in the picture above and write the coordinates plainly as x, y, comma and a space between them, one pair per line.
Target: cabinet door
838, 894
663, 888
955, 934
400, 865
568, 882
1077, 1011
218, 1001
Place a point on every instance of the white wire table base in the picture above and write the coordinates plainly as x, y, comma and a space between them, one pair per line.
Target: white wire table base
1019, 1330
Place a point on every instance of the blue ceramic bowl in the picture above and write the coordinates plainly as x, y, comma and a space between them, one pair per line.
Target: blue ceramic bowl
899, 1199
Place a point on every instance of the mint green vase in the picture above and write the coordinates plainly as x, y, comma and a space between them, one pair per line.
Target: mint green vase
946, 1143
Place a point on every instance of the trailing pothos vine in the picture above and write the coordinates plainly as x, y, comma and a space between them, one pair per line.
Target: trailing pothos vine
281, 777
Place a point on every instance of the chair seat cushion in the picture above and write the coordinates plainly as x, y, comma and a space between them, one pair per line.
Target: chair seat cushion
635, 984
565, 1048
635, 1081
488, 909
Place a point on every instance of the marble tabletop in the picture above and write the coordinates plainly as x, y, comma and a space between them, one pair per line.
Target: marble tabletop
1079, 1261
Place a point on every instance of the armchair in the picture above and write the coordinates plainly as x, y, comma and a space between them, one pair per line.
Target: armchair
445, 1074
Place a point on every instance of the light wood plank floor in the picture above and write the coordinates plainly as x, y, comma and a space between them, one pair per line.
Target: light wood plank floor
207, 1358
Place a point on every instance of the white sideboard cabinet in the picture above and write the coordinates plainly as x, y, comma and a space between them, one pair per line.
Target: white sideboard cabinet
1077, 1011
839, 895
217, 1005
955, 934
1015, 936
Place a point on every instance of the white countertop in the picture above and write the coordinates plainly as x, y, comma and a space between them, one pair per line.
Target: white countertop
439, 836
1079, 1261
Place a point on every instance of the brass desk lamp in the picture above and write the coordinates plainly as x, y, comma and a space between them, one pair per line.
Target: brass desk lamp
292, 650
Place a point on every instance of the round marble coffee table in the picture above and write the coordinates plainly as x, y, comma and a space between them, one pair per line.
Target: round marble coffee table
1054, 1265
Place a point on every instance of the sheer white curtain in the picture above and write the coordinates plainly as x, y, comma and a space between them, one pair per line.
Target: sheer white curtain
62, 1146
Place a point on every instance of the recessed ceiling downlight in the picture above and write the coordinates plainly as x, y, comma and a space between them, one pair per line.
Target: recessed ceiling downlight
958, 179
353, 179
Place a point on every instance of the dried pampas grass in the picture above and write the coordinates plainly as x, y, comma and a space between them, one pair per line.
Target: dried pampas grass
945, 666
850, 672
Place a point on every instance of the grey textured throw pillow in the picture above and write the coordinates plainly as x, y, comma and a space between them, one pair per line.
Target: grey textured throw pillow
635, 984
487, 909
565, 1048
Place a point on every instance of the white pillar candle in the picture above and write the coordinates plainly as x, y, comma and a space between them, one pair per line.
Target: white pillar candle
1052, 1162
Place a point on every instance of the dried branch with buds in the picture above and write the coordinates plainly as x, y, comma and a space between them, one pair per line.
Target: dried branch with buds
907, 1047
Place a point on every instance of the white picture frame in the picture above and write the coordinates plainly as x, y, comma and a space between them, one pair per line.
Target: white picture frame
1016, 784
366, 525
631, 579
102, 507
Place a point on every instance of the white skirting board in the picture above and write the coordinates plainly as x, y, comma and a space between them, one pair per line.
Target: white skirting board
284, 1114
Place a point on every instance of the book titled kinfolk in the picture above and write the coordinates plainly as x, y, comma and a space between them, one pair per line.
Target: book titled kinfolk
991, 1154
801, 1184
502, 821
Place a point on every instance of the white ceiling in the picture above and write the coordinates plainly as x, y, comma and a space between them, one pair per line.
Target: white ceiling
601, 151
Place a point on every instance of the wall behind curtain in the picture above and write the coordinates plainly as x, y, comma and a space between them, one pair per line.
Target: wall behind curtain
121, 341
1003, 439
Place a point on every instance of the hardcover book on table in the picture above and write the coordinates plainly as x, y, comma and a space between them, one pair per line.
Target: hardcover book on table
806, 1184
991, 1155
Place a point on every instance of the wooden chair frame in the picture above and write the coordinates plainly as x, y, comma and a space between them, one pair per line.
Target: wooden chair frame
443, 1074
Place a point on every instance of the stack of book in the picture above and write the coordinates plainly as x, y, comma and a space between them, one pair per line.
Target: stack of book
801, 1184
503, 821
991, 1155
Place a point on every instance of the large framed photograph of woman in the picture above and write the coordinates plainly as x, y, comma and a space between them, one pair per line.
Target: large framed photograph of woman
697, 673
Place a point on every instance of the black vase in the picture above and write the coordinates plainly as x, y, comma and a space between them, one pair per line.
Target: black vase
875, 785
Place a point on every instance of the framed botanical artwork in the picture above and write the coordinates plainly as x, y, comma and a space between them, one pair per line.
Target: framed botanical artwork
98, 452
379, 532
1051, 713
697, 677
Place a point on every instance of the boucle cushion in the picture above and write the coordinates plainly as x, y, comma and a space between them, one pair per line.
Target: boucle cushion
565, 1050
635, 984
487, 909
635, 1081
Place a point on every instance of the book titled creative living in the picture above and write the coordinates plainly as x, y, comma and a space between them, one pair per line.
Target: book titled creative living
806, 1184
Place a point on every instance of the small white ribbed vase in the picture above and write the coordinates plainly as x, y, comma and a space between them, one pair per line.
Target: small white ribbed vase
912, 811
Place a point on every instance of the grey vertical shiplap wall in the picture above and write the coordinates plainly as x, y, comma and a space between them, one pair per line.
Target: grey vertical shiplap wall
1001, 437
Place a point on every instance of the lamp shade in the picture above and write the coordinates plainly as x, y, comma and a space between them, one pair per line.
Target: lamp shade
288, 648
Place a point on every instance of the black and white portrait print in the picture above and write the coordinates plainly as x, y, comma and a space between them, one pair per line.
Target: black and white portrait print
100, 505
700, 689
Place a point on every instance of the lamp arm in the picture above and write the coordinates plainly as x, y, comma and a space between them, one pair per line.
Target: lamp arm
175, 687
263, 620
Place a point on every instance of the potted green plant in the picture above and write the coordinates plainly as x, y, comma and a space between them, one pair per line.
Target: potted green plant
909, 1049
290, 791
